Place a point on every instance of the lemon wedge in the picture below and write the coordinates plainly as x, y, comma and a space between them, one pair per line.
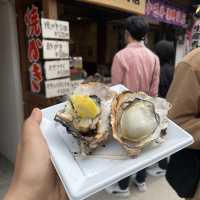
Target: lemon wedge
85, 106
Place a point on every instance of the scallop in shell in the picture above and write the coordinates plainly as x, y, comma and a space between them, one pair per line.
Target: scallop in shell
138, 119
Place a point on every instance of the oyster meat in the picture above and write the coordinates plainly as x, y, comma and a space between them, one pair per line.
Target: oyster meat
138, 119
87, 115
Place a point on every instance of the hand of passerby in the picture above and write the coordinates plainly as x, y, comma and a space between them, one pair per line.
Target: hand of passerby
34, 176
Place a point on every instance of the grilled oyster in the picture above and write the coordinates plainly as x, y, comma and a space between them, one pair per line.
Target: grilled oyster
138, 119
87, 115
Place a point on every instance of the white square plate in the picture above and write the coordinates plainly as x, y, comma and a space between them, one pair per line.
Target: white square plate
84, 177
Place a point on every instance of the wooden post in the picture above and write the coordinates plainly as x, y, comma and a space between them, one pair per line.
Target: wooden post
101, 42
50, 9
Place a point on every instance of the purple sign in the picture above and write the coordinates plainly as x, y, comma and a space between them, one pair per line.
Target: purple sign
165, 12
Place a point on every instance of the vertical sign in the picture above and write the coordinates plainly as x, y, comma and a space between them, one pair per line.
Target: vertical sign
33, 32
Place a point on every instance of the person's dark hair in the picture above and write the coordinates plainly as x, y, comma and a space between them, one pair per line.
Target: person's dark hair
165, 51
137, 27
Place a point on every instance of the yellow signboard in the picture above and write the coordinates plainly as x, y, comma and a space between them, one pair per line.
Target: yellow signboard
132, 6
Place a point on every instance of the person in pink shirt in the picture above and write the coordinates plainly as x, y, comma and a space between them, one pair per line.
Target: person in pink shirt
137, 68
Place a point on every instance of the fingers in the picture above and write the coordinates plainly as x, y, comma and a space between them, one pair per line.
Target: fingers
31, 126
36, 115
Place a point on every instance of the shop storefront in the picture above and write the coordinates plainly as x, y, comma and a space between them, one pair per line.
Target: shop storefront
95, 34
95, 31
168, 21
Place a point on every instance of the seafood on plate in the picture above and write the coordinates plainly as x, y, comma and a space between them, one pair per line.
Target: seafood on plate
87, 115
138, 119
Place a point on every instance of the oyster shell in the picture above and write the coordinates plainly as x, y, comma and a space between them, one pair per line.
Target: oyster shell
138, 119
87, 115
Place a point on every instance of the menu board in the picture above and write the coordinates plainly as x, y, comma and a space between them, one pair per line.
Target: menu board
54, 49
60, 87
57, 87
57, 66
56, 69
55, 29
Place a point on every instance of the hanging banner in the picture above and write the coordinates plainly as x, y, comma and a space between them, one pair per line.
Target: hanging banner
55, 29
34, 44
131, 6
165, 12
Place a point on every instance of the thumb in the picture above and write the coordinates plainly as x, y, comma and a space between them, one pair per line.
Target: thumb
36, 115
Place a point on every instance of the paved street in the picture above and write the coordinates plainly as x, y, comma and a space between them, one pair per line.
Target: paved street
158, 189
6, 170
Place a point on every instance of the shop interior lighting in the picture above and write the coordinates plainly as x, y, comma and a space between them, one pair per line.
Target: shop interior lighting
198, 9
79, 18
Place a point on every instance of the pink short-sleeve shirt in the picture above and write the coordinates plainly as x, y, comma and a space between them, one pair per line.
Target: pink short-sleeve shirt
137, 68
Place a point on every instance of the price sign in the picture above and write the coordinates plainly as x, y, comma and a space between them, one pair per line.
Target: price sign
55, 29
56, 69
75, 84
58, 87
55, 49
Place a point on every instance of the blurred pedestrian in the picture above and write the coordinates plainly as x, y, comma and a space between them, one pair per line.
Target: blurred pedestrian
183, 172
166, 53
138, 69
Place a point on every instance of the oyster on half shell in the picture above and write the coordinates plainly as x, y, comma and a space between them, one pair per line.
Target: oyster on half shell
138, 119
87, 115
